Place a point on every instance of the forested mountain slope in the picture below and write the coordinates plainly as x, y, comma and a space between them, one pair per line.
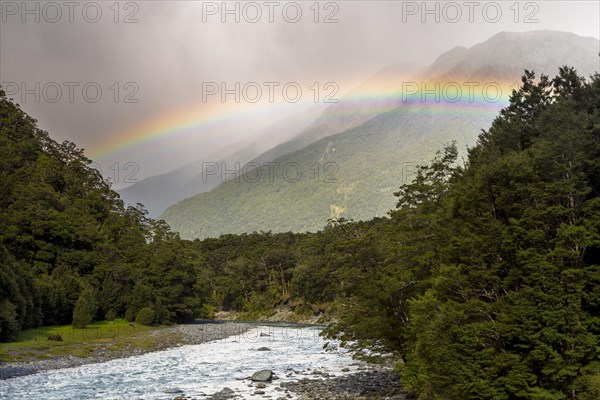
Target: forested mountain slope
352, 173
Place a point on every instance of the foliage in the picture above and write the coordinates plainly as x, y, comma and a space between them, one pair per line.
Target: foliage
55, 337
489, 288
145, 316
70, 250
84, 309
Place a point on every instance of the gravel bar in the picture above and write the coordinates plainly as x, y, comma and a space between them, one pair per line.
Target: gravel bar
170, 337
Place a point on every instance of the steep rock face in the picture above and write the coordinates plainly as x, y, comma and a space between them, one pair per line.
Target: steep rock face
353, 173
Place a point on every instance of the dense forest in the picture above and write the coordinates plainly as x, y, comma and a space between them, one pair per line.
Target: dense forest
67, 243
484, 282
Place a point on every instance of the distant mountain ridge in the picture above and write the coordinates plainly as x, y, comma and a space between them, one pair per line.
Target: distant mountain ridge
371, 160
507, 54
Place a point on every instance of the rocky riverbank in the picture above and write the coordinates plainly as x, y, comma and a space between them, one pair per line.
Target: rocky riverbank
279, 314
372, 384
367, 383
167, 338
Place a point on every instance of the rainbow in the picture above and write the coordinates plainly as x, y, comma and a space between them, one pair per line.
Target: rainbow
170, 131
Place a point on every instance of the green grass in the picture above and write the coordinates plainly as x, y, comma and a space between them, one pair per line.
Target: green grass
33, 344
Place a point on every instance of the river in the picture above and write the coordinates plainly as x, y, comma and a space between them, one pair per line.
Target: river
196, 370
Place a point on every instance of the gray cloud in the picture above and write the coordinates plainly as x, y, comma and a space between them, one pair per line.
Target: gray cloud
171, 51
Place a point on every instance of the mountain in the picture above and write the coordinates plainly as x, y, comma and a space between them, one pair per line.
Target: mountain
350, 111
360, 167
293, 133
507, 54
158, 192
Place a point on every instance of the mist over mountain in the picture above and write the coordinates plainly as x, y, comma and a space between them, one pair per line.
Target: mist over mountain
507, 54
353, 173
292, 133
355, 108
158, 192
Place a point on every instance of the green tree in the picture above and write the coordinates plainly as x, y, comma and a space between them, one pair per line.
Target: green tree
83, 313
9, 325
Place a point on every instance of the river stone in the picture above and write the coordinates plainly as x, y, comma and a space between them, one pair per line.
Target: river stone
173, 391
263, 349
262, 376
225, 393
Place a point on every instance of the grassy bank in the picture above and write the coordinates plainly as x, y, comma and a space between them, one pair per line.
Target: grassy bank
98, 337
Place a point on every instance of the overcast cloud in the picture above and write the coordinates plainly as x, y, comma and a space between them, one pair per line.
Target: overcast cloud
170, 51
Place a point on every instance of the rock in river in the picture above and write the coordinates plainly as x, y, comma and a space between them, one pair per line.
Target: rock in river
226, 393
262, 376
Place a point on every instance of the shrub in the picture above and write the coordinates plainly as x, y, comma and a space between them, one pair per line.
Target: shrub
145, 316
110, 315
207, 311
55, 337
130, 314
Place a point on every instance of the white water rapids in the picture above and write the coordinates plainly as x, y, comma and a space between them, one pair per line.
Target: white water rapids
197, 370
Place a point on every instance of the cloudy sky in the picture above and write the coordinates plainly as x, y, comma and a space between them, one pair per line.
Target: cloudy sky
154, 60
